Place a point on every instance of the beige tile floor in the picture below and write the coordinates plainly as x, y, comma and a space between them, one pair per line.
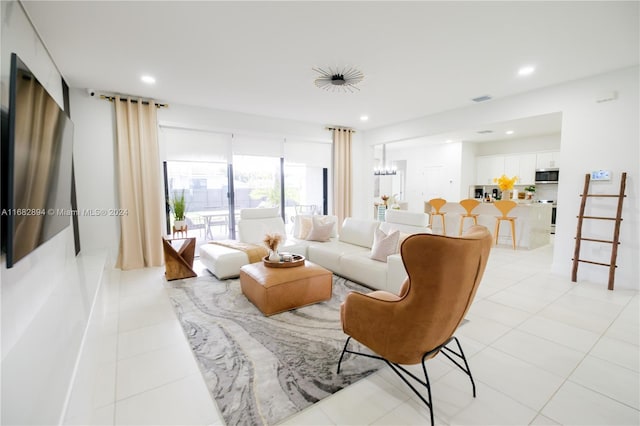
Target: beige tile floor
543, 351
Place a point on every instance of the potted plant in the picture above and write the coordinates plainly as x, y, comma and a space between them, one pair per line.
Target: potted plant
179, 207
530, 190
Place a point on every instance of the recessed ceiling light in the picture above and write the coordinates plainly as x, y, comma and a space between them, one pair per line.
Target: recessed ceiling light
526, 70
448, 141
364, 117
509, 132
148, 79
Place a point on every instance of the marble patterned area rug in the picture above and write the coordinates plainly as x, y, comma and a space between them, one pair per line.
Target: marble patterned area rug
261, 370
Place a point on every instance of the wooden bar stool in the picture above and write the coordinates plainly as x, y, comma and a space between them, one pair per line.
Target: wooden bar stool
468, 204
505, 206
437, 204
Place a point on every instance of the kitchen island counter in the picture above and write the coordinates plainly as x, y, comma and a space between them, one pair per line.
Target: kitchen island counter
533, 223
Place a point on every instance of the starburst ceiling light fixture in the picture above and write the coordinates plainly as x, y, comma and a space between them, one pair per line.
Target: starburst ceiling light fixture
339, 79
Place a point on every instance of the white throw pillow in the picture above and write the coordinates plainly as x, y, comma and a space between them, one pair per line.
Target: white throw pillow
320, 230
384, 245
303, 227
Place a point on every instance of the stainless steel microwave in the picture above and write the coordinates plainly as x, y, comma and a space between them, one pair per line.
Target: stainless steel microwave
547, 175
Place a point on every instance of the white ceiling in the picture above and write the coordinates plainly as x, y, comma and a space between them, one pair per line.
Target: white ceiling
418, 58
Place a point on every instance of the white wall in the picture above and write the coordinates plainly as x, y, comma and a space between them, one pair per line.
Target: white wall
433, 170
94, 162
468, 173
19, 37
47, 296
594, 136
538, 143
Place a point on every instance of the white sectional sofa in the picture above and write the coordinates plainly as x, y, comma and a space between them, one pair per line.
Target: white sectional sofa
347, 255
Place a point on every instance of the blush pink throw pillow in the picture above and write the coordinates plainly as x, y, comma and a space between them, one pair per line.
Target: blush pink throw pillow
320, 230
384, 245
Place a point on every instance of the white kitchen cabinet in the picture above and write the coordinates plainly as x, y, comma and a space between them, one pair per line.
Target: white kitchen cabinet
521, 165
489, 167
492, 166
527, 169
511, 165
548, 160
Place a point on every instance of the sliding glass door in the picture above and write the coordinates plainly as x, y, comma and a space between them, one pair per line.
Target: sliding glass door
205, 186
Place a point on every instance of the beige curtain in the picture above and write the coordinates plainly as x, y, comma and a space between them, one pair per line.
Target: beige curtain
342, 174
34, 149
139, 186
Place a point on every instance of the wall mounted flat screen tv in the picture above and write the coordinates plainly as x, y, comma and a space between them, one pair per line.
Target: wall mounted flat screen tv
36, 166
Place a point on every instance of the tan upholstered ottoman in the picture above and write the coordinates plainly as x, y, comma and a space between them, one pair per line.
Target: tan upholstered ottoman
275, 290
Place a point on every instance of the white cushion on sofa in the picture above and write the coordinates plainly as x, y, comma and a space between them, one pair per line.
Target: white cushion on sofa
253, 231
406, 218
407, 222
396, 273
360, 268
358, 231
295, 246
328, 254
223, 262
259, 213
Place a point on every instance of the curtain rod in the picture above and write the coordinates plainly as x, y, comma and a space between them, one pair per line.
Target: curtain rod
340, 128
113, 98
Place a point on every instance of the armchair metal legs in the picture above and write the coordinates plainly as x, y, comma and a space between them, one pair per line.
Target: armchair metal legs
402, 372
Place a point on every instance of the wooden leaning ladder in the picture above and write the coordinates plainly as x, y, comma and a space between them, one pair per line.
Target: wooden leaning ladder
616, 232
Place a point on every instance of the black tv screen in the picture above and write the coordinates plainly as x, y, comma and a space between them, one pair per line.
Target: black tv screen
37, 152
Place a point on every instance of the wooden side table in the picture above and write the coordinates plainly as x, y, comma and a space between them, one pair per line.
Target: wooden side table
179, 264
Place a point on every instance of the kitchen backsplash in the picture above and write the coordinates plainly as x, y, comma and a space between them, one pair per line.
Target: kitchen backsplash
547, 191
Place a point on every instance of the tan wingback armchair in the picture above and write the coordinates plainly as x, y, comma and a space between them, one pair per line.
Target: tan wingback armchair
417, 324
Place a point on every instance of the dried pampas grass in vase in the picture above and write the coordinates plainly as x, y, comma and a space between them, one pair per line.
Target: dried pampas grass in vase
272, 241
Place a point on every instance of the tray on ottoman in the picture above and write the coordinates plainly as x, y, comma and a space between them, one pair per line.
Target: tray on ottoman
275, 290
296, 260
